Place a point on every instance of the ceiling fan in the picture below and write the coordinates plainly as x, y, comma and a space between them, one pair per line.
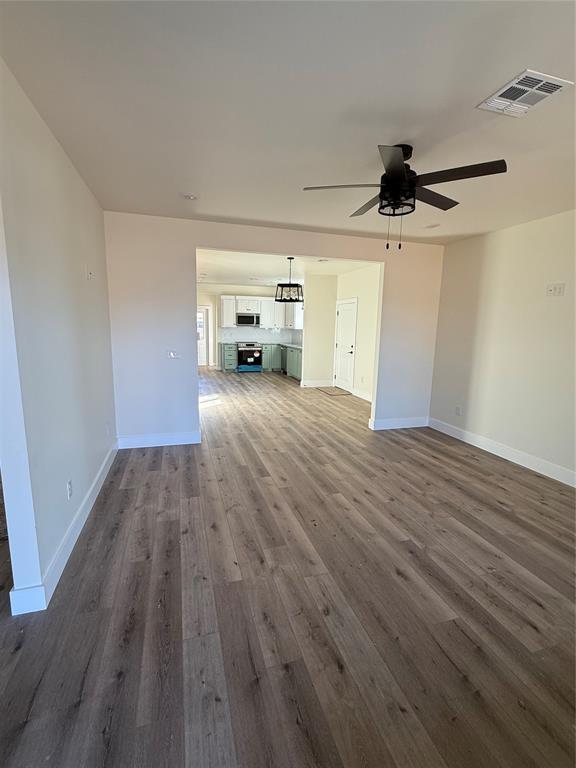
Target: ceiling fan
400, 186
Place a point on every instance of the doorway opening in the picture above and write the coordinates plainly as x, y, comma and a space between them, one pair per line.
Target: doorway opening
203, 335
262, 348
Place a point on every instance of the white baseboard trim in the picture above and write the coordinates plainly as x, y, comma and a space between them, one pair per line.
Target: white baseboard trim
542, 466
406, 423
28, 599
37, 597
362, 395
158, 439
316, 383
56, 565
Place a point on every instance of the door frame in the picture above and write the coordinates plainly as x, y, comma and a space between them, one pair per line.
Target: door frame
352, 300
206, 309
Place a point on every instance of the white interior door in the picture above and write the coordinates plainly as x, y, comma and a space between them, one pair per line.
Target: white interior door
345, 349
202, 335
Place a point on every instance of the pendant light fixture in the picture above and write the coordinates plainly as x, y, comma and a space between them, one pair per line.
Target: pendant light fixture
289, 292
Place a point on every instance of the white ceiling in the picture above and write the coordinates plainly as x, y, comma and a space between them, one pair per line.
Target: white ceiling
239, 268
244, 103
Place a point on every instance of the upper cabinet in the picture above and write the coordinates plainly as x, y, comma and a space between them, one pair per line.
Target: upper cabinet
267, 313
248, 305
294, 316
227, 311
273, 314
279, 314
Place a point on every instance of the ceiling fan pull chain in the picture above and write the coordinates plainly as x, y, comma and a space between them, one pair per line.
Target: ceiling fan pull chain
400, 240
388, 236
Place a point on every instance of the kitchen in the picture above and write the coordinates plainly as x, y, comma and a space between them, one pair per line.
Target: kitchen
258, 334
320, 334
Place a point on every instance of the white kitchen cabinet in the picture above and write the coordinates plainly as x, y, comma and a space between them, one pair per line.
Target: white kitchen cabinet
295, 315
267, 313
279, 315
227, 311
247, 305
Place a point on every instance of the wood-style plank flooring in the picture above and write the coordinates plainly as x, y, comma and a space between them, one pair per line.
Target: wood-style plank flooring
299, 591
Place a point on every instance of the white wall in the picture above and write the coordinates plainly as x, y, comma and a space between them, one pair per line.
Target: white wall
319, 328
151, 269
53, 233
505, 350
364, 285
407, 333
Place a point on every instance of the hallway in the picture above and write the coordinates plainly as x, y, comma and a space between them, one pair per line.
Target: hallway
299, 591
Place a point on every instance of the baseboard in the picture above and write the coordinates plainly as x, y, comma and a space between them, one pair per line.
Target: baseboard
158, 439
542, 466
316, 383
28, 599
362, 395
406, 423
37, 596
56, 566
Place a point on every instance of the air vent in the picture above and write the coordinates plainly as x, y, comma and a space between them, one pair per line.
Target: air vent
512, 93
524, 92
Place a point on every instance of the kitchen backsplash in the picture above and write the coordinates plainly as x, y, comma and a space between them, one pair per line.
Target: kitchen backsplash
286, 335
296, 337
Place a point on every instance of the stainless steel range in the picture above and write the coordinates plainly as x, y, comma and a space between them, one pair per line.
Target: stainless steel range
249, 356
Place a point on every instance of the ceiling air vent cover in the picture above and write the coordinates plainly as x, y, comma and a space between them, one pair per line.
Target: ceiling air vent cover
525, 91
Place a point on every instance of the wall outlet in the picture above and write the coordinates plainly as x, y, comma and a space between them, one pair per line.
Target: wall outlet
555, 289
458, 410
90, 274
69, 489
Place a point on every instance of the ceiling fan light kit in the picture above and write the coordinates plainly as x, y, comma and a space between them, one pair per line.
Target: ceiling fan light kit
400, 186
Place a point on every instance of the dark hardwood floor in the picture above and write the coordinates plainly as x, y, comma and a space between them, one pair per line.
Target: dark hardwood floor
299, 591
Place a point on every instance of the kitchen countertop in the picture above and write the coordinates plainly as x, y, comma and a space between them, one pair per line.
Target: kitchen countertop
262, 343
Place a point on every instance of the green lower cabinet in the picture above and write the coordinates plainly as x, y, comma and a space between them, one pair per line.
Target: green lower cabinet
271, 357
228, 357
294, 363
276, 357
266, 357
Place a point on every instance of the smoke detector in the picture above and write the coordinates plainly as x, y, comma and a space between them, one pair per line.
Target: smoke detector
524, 92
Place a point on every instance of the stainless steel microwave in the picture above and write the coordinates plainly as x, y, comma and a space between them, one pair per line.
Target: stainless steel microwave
248, 319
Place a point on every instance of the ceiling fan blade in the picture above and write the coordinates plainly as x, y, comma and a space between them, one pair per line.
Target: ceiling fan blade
464, 172
393, 159
344, 186
433, 198
366, 207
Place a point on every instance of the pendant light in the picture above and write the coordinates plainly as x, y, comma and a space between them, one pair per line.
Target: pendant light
289, 292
